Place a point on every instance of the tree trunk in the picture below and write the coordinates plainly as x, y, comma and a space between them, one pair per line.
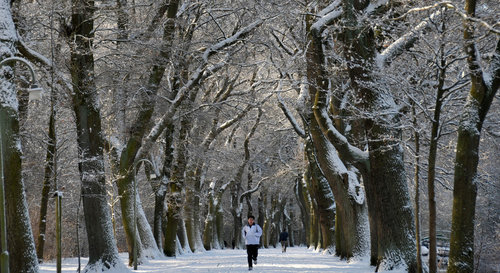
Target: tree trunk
388, 192
431, 173
219, 223
313, 236
158, 217
249, 187
126, 191
175, 195
290, 229
182, 237
350, 222
300, 195
324, 197
103, 253
479, 100
208, 232
101, 243
464, 194
145, 232
263, 219
128, 157
174, 206
189, 217
48, 174
161, 191
417, 192
273, 225
21, 247
192, 207
20, 241
236, 213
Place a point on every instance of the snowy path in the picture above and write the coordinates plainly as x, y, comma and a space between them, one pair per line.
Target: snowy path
297, 259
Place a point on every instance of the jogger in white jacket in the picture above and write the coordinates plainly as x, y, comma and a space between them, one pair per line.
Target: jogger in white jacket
252, 233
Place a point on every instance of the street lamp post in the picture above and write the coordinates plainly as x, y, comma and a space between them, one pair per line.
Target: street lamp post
4, 257
135, 207
35, 92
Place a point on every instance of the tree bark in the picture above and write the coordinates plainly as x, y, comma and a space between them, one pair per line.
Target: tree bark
394, 215
160, 189
128, 157
417, 192
350, 222
478, 102
175, 195
48, 175
236, 213
208, 232
431, 172
300, 195
324, 197
20, 241
313, 236
103, 253
264, 219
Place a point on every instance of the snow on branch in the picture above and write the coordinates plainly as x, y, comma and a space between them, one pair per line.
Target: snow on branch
327, 15
225, 186
407, 40
329, 8
36, 57
231, 40
201, 72
404, 42
33, 55
374, 5
290, 117
452, 6
281, 44
353, 154
252, 190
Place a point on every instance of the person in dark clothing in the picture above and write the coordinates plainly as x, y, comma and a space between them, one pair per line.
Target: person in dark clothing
283, 240
252, 233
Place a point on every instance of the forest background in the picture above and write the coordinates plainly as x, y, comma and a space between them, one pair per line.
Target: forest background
342, 121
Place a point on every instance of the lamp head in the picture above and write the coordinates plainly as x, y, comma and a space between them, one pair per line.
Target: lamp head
35, 92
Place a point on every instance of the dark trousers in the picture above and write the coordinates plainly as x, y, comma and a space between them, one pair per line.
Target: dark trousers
283, 246
252, 252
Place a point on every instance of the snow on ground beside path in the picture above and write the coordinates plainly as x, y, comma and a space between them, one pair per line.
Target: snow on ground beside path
296, 259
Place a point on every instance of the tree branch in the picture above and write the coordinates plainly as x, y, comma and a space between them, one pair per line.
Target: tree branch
201, 72
242, 33
327, 16
405, 42
290, 117
36, 57
244, 194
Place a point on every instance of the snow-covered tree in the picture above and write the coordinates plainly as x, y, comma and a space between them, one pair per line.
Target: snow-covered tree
103, 253
17, 226
484, 86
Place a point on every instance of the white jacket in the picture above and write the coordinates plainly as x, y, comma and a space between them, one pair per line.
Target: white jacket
251, 234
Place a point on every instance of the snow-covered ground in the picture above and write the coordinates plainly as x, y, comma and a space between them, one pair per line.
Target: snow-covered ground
296, 259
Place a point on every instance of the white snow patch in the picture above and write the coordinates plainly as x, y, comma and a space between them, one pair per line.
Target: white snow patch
8, 98
319, 25
374, 5
296, 259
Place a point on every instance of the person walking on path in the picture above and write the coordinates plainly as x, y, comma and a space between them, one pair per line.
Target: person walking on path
252, 233
283, 240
